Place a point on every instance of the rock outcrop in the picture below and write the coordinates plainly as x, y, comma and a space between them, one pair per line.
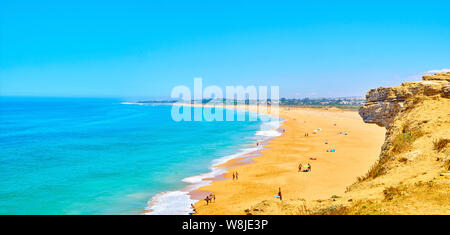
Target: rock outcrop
383, 104
412, 174
437, 77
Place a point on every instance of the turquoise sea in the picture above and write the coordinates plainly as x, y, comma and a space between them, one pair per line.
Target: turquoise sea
98, 156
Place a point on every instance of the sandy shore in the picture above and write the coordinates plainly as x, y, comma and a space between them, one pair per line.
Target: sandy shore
261, 173
277, 165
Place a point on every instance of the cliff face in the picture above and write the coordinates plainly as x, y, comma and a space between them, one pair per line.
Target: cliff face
412, 175
383, 104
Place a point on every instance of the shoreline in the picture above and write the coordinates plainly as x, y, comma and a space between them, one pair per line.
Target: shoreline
193, 190
245, 159
219, 166
276, 166
254, 163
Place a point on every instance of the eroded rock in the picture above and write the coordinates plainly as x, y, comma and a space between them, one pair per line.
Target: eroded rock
384, 103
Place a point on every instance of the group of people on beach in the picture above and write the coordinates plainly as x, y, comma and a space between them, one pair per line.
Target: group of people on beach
209, 198
304, 168
235, 176
212, 197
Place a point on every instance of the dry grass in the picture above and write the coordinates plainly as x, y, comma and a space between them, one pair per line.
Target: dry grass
376, 170
447, 165
403, 141
427, 197
303, 210
391, 192
287, 207
440, 144
333, 210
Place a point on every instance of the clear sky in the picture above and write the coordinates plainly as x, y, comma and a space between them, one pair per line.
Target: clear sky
144, 48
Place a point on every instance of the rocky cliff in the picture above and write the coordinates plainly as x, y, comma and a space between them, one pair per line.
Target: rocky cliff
384, 103
412, 175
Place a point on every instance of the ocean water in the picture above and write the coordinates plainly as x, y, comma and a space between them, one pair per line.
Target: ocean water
98, 156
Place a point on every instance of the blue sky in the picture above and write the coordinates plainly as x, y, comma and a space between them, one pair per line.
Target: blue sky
138, 49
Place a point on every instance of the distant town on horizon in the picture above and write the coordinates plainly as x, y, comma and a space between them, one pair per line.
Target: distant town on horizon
341, 102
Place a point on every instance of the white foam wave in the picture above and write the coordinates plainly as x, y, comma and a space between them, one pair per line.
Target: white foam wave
273, 124
170, 203
179, 202
270, 128
199, 179
233, 156
271, 133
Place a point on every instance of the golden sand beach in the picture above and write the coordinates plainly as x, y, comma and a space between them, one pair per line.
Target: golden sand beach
277, 164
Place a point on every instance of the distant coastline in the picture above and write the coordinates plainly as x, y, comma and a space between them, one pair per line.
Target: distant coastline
346, 103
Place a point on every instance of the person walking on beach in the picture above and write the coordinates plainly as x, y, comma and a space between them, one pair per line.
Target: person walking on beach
279, 194
237, 176
234, 176
207, 200
300, 167
212, 196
